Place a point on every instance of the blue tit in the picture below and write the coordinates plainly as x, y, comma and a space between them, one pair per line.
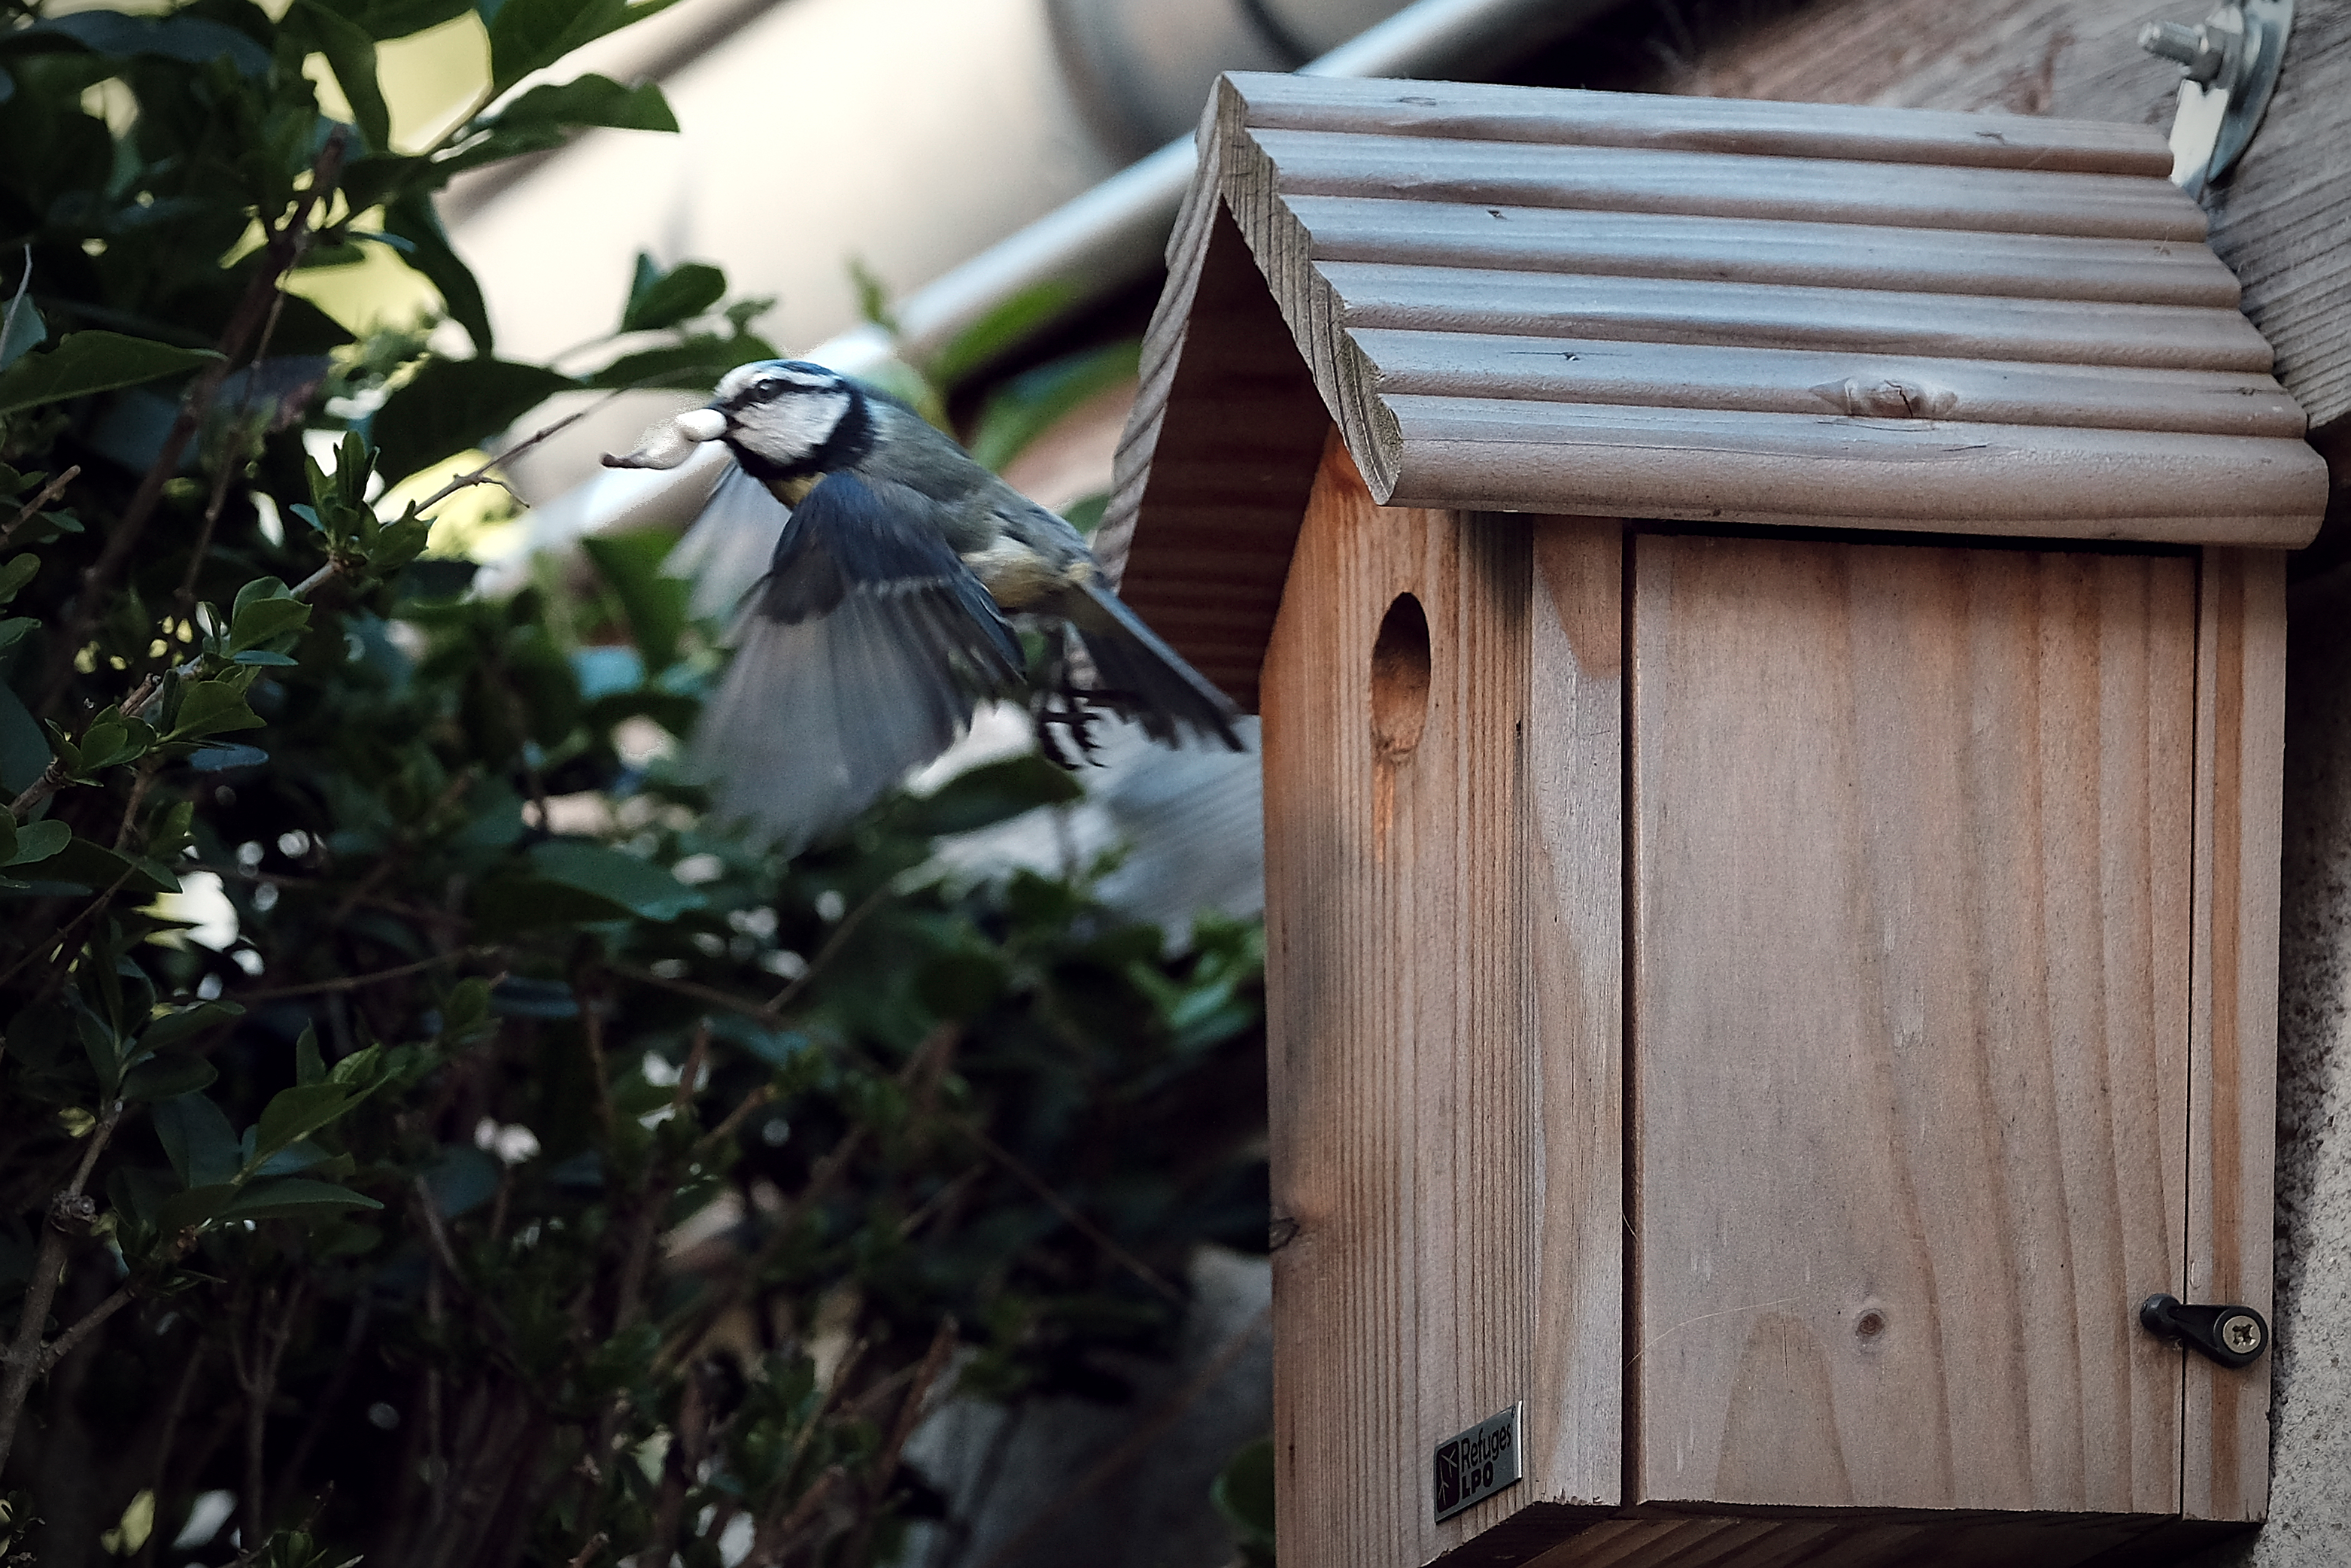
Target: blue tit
882, 620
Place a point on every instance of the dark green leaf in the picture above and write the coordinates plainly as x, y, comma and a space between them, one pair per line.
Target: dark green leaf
989, 794
529, 35
24, 749
452, 405
18, 570
639, 886
197, 1207
590, 99
197, 1140
162, 1077
209, 708
351, 55
293, 1198
34, 841
1243, 1493
91, 867
86, 362
413, 219
174, 1027
309, 1067
653, 601
22, 329
191, 39
297, 1112
694, 365
658, 298
265, 621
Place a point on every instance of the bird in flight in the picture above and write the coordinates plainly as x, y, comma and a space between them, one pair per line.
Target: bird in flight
883, 620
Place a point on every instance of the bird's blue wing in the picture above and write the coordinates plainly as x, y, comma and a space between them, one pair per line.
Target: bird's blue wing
859, 656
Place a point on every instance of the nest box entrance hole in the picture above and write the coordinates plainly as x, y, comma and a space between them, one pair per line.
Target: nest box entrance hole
1400, 678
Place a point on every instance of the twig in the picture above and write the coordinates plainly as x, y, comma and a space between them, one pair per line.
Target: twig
484, 475
909, 1412
63, 1345
41, 497
832, 945
50, 779
283, 247
353, 982
25, 1359
699, 992
66, 937
695, 1056
1061, 1205
231, 462
588, 1549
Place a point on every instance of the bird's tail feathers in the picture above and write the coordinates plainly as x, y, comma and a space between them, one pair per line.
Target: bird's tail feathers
1145, 679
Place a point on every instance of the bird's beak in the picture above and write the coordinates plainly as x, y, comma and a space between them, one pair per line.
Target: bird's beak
672, 441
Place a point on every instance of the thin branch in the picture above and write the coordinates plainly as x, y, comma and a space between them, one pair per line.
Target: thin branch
1061, 1205
909, 1412
50, 780
63, 1345
833, 946
283, 248
353, 982
701, 993
588, 1549
26, 1359
41, 497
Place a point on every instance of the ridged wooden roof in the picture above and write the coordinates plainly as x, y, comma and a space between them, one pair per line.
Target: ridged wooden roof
1620, 305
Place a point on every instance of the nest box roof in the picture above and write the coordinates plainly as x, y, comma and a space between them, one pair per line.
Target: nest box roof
1620, 305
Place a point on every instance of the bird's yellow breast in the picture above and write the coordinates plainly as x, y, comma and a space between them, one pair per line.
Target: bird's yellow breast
1018, 577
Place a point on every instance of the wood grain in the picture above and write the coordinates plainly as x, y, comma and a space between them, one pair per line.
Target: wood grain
2239, 769
1823, 255
2282, 220
1480, 111
1880, 385
1339, 161
1819, 470
1402, 1083
1787, 316
1213, 471
1574, 785
1912, 851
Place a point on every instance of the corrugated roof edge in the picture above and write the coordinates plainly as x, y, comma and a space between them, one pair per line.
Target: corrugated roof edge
1265, 335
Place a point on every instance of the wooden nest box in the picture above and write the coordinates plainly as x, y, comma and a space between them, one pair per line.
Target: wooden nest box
1769, 622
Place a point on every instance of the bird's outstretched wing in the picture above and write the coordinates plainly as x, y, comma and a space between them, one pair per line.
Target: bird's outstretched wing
859, 656
731, 543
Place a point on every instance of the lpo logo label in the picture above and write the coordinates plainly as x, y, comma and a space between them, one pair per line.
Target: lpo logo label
1474, 1464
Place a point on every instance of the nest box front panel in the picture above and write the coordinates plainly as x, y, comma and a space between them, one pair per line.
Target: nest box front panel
1913, 833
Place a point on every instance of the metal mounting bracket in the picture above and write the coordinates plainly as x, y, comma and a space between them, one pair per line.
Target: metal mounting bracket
2231, 60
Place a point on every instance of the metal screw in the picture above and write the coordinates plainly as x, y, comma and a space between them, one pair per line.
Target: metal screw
2193, 47
2242, 1335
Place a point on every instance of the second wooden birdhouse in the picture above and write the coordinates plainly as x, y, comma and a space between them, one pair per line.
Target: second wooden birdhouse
1769, 622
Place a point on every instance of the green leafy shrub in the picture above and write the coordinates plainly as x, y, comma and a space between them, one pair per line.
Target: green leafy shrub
533, 1173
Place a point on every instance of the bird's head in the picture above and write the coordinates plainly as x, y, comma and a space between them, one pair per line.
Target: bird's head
781, 417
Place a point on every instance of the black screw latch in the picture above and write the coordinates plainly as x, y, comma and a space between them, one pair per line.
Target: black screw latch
2233, 1336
